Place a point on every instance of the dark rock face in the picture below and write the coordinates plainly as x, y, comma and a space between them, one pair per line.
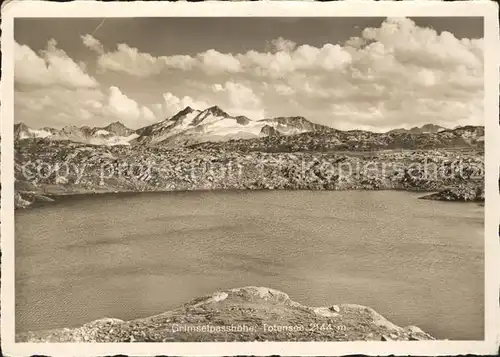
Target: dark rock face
182, 113
212, 111
18, 129
242, 120
218, 112
116, 128
269, 131
242, 314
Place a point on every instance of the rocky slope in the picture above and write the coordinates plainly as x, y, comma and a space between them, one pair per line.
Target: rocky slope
56, 167
329, 139
243, 314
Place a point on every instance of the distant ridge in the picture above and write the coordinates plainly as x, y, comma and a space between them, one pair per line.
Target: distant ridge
354, 140
214, 127
424, 129
115, 133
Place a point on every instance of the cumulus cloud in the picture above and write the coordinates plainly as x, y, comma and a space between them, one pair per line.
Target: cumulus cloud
131, 61
281, 44
240, 99
412, 45
284, 59
92, 43
213, 61
239, 95
60, 106
173, 104
52, 89
121, 106
57, 106
51, 67
304, 58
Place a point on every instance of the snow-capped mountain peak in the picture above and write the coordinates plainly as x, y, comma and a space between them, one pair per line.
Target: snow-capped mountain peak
214, 124
215, 110
182, 113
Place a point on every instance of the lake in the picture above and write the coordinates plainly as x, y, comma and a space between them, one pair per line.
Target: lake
127, 256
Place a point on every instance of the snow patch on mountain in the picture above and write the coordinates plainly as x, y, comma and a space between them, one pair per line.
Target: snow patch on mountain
102, 132
33, 133
96, 136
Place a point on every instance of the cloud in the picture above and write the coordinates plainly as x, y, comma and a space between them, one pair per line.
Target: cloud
283, 45
129, 60
284, 59
121, 106
53, 90
213, 62
92, 43
59, 106
304, 58
51, 67
284, 89
239, 99
412, 45
173, 104
239, 95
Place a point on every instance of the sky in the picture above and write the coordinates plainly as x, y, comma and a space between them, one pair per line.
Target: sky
349, 73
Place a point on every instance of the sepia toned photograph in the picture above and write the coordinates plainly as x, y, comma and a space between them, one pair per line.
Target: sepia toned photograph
191, 179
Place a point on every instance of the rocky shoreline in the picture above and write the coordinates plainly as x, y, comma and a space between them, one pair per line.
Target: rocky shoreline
60, 168
464, 193
242, 314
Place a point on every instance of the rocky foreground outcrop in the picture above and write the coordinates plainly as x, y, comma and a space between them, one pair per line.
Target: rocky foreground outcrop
473, 193
242, 314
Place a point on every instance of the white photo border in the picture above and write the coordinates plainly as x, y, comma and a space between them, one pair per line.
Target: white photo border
485, 9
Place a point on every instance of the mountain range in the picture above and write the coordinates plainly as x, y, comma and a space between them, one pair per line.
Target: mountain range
214, 127
189, 126
114, 134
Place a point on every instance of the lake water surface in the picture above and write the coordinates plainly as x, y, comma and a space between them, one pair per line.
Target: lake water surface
415, 261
